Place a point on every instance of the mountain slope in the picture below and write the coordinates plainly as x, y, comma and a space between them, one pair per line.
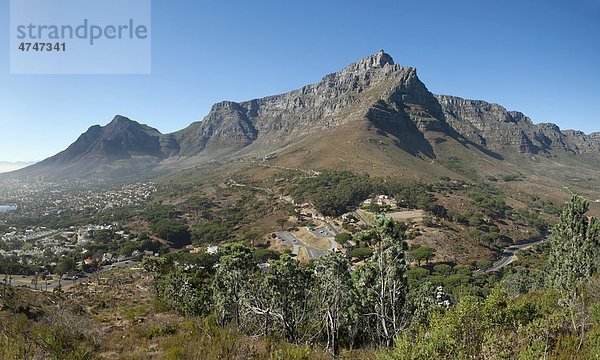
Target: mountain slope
121, 147
374, 115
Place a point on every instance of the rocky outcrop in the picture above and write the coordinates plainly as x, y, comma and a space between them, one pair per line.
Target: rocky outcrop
492, 126
583, 143
374, 88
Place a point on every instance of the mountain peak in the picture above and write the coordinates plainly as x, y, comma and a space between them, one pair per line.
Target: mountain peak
120, 119
374, 61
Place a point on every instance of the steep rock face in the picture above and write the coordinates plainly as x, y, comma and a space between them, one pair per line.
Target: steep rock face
227, 125
492, 126
374, 88
372, 101
583, 143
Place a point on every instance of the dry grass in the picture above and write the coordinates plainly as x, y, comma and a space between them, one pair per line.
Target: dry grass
279, 246
404, 216
303, 256
312, 240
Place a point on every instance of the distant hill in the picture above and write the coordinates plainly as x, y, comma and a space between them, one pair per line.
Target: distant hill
374, 115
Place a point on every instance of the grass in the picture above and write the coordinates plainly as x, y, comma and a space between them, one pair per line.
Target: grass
312, 240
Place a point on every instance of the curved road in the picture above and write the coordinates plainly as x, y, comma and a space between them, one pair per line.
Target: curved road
509, 255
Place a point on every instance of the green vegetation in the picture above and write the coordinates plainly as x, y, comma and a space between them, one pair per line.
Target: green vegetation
173, 231
333, 192
361, 253
383, 309
342, 238
422, 253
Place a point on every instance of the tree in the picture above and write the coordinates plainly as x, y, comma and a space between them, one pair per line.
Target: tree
573, 247
251, 237
281, 222
173, 231
422, 253
230, 282
333, 295
281, 297
573, 258
483, 264
68, 264
361, 253
342, 238
381, 284
175, 289
157, 266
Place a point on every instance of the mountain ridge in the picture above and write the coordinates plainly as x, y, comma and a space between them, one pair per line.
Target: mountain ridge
373, 106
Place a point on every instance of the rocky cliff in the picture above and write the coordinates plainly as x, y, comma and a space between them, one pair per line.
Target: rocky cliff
390, 96
492, 126
373, 105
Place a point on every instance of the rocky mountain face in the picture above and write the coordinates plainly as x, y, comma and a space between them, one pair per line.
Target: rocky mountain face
374, 92
492, 126
390, 96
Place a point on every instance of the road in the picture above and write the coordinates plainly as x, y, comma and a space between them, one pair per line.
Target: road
329, 226
326, 233
19, 280
291, 239
359, 217
509, 255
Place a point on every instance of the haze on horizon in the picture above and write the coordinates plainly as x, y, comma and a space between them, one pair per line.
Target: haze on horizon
537, 60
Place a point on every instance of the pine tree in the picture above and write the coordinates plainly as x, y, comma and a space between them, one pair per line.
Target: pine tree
381, 282
574, 247
573, 258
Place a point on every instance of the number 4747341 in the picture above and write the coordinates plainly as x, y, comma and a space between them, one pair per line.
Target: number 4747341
42, 46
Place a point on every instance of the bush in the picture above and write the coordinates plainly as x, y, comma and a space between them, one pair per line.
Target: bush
484, 264
162, 330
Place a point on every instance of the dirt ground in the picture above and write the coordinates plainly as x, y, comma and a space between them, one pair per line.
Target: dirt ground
415, 215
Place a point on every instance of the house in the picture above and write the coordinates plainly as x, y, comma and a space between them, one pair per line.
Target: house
194, 249
212, 249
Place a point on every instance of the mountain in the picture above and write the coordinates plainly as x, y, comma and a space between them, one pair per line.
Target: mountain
122, 147
374, 115
371, 88
494, 127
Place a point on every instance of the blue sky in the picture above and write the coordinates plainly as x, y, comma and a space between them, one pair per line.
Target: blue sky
541, 58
